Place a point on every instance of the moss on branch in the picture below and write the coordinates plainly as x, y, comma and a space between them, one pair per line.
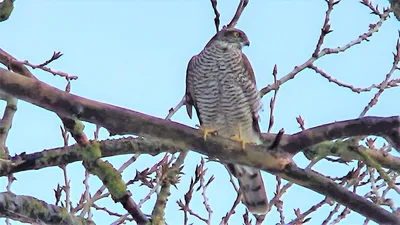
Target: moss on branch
278, 161
28, 209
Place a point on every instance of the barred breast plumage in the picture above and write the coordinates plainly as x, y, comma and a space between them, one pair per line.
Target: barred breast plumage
221, 86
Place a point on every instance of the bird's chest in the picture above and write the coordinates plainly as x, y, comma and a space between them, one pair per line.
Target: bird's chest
223, 71
221, 63
219, 90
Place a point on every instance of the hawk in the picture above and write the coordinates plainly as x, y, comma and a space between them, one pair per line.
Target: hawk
221, 86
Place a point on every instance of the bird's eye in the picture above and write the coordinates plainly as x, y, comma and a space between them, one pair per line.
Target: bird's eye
236, 34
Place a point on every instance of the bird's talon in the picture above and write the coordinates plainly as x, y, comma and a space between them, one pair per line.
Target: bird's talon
242, 142
207, 132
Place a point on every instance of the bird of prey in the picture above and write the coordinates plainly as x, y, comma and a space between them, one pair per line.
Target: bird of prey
221, 86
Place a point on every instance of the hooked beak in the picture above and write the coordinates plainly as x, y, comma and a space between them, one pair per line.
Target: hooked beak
246, 43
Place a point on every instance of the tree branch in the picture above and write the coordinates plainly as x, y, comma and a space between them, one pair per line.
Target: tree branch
242, 5
315, 56
347, 151
123, 121
111, 178
62, 156
28, 209
216, 19
6, 123
386, 127
91, 160
66, 155
170, 178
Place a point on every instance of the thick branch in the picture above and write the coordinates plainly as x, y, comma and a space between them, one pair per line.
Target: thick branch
6, 123
123, 121
386, 127
111, 178
339, 194
11, 63
105, 171
349, 150
63, 156
28, 209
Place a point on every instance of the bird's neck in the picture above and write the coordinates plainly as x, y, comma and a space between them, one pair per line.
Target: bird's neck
227, 45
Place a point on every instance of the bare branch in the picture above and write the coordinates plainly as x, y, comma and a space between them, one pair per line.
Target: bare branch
385, 82
98, 195
216, 19
326, 28
59, 156
54, 57
390, 84
170, 178
276, 162
226, 218
204, 186
242, 5
43, 66
349, 150
185, 205
301, 217
372, 29
25, 208
104, 170
387, 128
273, 99
274, 155
6, 123
172, 111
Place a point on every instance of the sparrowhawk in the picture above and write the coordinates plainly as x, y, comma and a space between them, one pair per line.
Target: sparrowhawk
221, 86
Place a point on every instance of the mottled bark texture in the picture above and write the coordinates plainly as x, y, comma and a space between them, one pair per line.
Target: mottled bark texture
28, 209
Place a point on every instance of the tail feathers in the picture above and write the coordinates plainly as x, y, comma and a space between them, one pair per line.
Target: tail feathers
252, 187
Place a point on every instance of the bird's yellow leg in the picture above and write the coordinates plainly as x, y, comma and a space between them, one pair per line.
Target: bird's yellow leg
238, 137
207, 131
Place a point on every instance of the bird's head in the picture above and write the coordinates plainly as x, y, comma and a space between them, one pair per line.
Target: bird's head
233, 37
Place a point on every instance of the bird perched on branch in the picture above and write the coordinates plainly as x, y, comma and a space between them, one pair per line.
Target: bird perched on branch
221, 86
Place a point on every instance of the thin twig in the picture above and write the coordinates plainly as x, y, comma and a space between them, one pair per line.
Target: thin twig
390, 84
54, 57
47, 69
66, 187
204, 186
273, 99
300, 217
383, 85
242, 5
364, 37
226, 218
326, 27
87, 204
99, 192
172, 111
217, 15
156, 187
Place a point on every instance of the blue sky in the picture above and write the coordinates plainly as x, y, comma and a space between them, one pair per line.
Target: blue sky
134, 54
